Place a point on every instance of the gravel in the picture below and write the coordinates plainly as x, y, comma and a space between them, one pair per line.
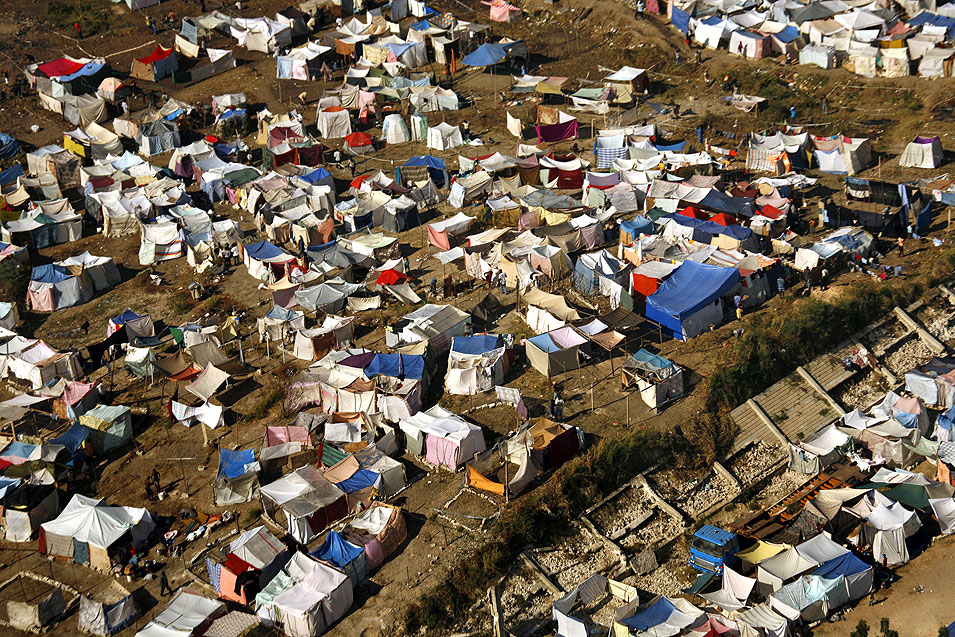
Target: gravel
939, 322
864, 392
908, 356
713, 490
660, 527
750, 466
622, 510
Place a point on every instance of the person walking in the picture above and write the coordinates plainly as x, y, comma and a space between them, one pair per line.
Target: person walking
792, 113
824, 279
677, 58
698, 57
79, 30
640, 8
808, 278
502, 281
164, 585
434, 287
825, 106
901, 244
558, 409
781, 286
466, 130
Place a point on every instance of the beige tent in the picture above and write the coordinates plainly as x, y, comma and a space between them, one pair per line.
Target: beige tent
545, 312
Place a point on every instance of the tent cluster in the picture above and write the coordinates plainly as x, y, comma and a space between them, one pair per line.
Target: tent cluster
868, 41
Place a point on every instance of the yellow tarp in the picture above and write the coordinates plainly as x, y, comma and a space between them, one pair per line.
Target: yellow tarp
761, 551
478, 481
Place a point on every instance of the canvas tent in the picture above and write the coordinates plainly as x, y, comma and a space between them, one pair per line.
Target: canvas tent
155, 66
441, 232
87, 528
333, 122
311, 606
444, 136
475, 364
922, 152
555, 352
442, 438
658, 379
106, 618
185, 613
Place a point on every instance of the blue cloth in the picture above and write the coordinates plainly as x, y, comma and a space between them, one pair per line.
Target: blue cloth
395, 365
263, 250
426, 160
280, 313
690, 288
923, 220
721, 202
361, 479
11, 174
232, 464
652, 360
485, 55
736, 231
845, 565
787, 35
477, 344
8, 147
90, 68
637, 225
545, 343
50, 273
653, 615
946, 420
909, 421
73, 438
317, 175
681, 20
126, 316
18, 449
675, 148
337, 550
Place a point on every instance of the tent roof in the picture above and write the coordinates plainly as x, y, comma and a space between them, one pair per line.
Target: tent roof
159, 53
485, 55
692, 286
89, 520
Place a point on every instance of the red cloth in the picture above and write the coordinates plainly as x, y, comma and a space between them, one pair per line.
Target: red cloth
158, 53
644, 285
772, 212
358, 139
723, 219
63, 66
694, 213
390, 277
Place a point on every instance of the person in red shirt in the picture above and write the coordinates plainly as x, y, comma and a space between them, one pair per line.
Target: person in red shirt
79, 30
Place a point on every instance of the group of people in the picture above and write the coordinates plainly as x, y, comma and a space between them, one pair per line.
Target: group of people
498, 278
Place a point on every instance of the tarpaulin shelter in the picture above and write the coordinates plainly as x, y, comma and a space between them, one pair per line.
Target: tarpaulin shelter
441, 232
358, 143
110, 426
310, 607
93, 142
260, 34
547, 443
113, 90
379, 530
485, 55
308, 501
786, 565
9, 315
545, 312
442, 437
333, 122
301, 63
886, 532
26, 506
157, 137
565, 127
161, 241
237, 478
444, 136
689, 302
53, 287
420, 168
658, 379
922, 152
662, 616
106, 618
347, 557
87, 528
857, 573
155, 66
263, 258
56, 161
394, 130
336, 332
251, 561
842, 155
555, 352
184, 614
475, 364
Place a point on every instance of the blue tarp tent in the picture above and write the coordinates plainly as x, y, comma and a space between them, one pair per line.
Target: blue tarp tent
361, 479
477, 344
395, 365
263, 250
674, 148
636, 226
343, 554
11, 174
50, 273
721, 202
654, 615
436, 168
485, 55
316, 176
234, 464
923, 220
688, 303
73, 438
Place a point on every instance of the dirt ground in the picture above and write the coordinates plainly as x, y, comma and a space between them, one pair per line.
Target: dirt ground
563, 43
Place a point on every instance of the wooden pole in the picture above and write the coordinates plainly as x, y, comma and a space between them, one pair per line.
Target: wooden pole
628, 409
205, 435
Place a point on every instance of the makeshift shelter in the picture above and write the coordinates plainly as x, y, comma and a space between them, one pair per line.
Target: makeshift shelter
52, 287
557, 129
347, 557
429, 327
264, 259
886, 532
87, 529
336, 332
261, 34
444, 136
107, 617
161, 241
312, 606
358, 143
301, 63
475, 364
237, 478
658, 379
333, 122
545, 312
858, 574
26, 506
110, 426
689, 302
155, 66
772, 573
379, 530
394, 130
184, 614
441, 232
555, 352
922, 152
252, 560
308, 501
442, 437
420, 168
662, 616
157, 137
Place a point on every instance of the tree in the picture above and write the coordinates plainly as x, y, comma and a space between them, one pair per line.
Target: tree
862, 629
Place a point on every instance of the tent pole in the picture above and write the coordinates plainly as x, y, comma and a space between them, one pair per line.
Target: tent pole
205, 438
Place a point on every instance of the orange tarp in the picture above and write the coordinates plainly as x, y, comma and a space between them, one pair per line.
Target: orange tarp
478, 481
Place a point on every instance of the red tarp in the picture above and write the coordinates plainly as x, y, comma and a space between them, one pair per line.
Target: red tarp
694, 213
644, 285
358, 139
772, 212
63, 66
390, 277
158, 53
723, 219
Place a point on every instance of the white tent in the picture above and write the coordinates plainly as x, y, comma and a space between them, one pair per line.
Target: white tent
310, 607
444, 136
309, 501
86, 529
735, 590
771, 574
161, 241
261, 34
186, 612
333, 122
886, 529
442, 437
394, 130
922, 152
